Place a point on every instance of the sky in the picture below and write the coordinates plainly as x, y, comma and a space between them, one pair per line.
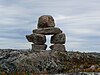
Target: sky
78, 19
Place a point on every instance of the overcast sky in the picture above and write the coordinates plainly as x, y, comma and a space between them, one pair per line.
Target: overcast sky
79, 20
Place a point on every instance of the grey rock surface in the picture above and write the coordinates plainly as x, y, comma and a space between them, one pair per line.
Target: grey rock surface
38, 47
38, 39
46, 21
58, 47
51, 62
36, 62
59, 38
47, 31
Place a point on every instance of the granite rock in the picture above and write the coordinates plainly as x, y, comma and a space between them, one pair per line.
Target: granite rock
47, 31
58, 38
46, 21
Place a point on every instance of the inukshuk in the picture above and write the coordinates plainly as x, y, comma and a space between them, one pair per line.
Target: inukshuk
46, 26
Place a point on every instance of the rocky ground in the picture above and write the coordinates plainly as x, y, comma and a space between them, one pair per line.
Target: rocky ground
48, 61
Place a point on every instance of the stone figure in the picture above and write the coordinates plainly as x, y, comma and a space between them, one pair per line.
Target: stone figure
46, 26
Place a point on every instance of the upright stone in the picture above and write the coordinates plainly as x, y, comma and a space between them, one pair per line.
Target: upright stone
58, 38
58, 47
46, 21
38, 39
38, 47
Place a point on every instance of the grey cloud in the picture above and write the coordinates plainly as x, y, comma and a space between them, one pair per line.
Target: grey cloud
79, 19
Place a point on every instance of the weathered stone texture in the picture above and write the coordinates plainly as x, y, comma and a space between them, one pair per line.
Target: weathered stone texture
38, 47
58, 38
58, 47
47, 31
46, 21
38, 39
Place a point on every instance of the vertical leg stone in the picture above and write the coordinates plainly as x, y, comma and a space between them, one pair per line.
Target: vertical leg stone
58, 47
39, 39
58, 38
38, 47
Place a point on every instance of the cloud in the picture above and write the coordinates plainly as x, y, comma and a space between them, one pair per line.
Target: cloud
84, 29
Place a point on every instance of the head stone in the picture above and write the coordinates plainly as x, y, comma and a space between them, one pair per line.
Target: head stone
46, 21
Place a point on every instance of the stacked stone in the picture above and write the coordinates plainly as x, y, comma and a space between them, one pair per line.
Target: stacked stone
38, 41
46, 26
58, 40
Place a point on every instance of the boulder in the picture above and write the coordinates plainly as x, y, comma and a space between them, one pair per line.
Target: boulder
38, 39
38, 47
46, 21
47, 31
58, 38
58, 47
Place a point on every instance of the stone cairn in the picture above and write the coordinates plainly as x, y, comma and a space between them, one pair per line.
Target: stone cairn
46, 26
